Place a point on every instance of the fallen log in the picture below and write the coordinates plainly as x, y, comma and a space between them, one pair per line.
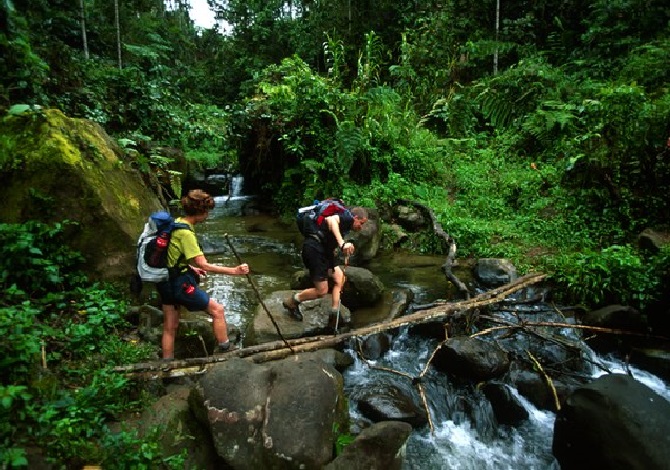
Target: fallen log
278, 349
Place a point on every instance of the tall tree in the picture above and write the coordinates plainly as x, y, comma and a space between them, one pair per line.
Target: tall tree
117, 25
84, 41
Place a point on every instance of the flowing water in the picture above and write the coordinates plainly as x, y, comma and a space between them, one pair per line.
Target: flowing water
465, 434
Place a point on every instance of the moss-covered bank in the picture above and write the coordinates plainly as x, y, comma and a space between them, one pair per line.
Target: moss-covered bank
55, 168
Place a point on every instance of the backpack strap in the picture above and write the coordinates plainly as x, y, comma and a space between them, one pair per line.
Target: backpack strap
176, 270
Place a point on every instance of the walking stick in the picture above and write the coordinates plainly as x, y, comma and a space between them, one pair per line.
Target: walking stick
339, 304
258, 294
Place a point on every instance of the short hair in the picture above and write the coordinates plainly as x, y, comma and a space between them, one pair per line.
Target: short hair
360, 212
197, 202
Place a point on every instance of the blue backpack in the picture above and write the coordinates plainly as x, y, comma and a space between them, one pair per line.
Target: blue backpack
152, 246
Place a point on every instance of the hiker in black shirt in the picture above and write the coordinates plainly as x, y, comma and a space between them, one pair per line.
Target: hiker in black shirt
318, 255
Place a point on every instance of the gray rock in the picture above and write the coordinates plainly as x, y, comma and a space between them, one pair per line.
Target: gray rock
381, 446
279, 415
494, 272
472, 358
615, 422
317, 319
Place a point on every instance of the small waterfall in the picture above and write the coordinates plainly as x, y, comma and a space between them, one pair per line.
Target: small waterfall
236, 203
235, 186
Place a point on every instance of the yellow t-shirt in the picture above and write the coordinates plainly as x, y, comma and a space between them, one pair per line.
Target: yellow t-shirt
183, 242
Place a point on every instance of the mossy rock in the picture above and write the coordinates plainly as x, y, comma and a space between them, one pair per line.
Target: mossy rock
56, 168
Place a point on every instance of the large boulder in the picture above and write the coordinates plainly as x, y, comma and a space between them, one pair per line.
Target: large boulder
382, 445
55, 168
471, 358
388, 402
187, 437
615, 422
615, 318
532, 384
362, 288
317, 319
281, 415
495, 272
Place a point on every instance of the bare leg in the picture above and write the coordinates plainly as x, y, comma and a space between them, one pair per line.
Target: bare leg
215, 309
170, 325
338, 278
319, 290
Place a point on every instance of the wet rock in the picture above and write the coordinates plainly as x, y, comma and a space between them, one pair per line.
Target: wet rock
615, 422
506, 407
375, 346
381, 446
494, 272
384, 402
317, 319
471, 358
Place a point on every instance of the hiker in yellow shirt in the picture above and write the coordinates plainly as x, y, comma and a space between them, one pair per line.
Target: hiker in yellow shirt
187, 263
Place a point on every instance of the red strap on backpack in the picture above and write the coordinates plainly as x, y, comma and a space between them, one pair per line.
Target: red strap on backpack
331, 206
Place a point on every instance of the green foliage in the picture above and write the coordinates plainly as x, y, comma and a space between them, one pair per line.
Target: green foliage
12, 409
21, 337
36, 260
51, 316
342, 439
335, 60
370, 61
97, 315
608, 38
142, 453
23, 70
616, 274
329, 139
646, 66
454, 116
506, 98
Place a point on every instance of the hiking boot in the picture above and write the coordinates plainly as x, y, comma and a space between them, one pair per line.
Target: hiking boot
293, 307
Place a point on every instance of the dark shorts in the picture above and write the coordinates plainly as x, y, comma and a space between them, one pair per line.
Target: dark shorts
316, 260
183, 290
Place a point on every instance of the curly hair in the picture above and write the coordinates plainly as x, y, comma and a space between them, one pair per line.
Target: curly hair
197, 202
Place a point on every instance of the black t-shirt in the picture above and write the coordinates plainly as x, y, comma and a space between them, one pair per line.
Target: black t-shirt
346, 224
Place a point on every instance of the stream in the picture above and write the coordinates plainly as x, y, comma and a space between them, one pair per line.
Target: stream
465, 435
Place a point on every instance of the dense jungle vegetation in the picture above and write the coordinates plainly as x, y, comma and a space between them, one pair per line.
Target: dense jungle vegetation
536, 131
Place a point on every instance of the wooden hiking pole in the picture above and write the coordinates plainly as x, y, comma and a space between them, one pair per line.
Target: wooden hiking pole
258, 294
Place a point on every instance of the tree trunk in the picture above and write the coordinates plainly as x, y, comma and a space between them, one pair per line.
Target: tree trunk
495, 52
278, 349
117, 24
82, 21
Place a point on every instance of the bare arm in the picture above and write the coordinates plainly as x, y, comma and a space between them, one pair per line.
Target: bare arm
333, 223
202, 263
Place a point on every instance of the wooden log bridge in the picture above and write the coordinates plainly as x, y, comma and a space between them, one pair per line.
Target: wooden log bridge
279, 349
